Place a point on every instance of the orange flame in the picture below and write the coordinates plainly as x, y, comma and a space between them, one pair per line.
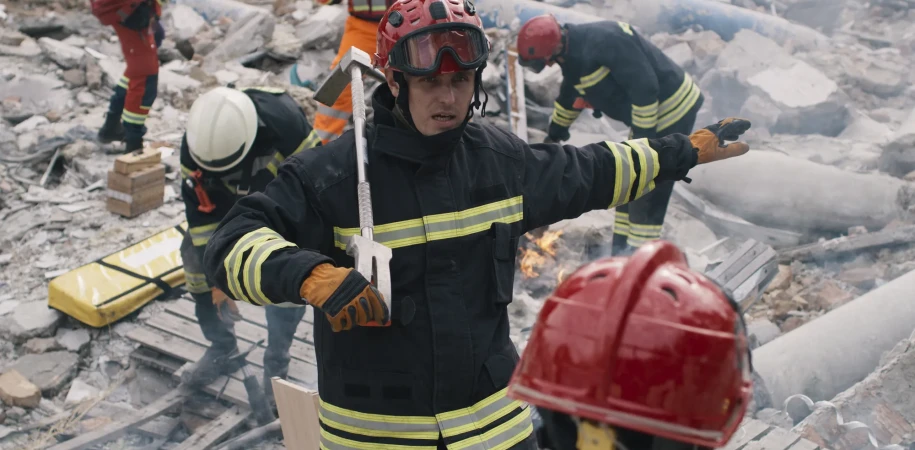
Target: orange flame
529, 261
548, 241
532, 259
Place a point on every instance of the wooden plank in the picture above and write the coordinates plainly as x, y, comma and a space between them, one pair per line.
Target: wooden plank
298, 410
302, 350
208, 435
299, 370
115, 430
778, 439
849, 245
161, 427
189, 351
136, 181
749, 430
137, 160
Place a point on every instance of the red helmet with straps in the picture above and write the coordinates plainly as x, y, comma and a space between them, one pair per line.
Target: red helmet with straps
642, 343
424, 37
540, 38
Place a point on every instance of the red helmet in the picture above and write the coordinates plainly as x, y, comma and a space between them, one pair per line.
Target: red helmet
414, 36
641, 343
539, 39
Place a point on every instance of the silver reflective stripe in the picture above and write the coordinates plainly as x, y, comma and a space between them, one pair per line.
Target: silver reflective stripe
478, 416
461, 226
260, 252
625, 173
326, 134
330, 112
372, 427
649, 168
202, 234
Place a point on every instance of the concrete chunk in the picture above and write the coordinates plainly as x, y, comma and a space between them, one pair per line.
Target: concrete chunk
807, 100
64, 55
183, 22
249, 34
17, 390
49, 371
681, 54
543, 87
32, 319
898, 157
324, 28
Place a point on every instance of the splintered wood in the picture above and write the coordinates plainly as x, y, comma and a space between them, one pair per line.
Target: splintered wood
298, 409
756, 435
176, 333
137, 183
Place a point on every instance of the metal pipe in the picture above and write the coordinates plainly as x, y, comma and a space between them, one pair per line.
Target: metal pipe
835, 351
653, 16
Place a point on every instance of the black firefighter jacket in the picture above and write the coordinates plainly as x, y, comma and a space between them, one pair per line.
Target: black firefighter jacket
283, 131
453, 215
623, 75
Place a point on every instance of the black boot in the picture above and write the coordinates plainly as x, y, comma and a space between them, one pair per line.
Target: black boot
215, 362
112, 130
131, 144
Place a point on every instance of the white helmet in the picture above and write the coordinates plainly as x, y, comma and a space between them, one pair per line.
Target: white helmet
221, 127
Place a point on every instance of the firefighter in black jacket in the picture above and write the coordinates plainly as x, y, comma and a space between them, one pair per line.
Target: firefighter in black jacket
609, 67
234, 145
451, 198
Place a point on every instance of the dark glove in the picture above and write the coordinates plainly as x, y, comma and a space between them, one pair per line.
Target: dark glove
158, 33
345, 296
709, 140
558, 133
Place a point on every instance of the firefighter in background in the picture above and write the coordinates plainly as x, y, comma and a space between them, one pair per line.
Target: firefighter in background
360, 31
629, 80
140, 34
667, 364
234, 144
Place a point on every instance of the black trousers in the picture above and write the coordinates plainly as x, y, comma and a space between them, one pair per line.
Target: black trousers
281, 322
640, 221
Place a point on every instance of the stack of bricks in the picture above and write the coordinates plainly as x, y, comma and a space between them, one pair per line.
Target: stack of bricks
137, 183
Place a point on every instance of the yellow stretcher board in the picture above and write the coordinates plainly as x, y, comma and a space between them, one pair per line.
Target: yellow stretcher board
105, 291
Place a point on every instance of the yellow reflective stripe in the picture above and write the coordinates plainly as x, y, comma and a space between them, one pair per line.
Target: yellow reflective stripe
592, 79
479, 415
501, 437
309, 142
640, 234
440, 226
667, 105
124, 82
621, 223
196, 283
134, 118
626, 28
329, 441
255, 261
185, 172
625, 173
202, 234
645, 116
675, 115
648, 165
378, 425
562, 116
273, 166
233, 262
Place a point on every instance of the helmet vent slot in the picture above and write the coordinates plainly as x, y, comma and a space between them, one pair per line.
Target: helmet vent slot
670, 292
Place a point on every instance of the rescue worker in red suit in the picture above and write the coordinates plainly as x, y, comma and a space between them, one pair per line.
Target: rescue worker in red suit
359, 31
637, 353
451, 198
140, 35
629, 80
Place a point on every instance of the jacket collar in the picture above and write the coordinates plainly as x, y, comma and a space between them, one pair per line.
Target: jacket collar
393, 136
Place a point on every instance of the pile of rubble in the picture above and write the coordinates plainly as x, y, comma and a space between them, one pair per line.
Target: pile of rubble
834, 140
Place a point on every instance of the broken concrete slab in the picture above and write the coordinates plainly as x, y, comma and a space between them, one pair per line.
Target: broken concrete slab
681, 54
247, 35
808, 101
543, 87
41, 345
323, 29
30, 320
74, 340
284, 43
791, 193
863, 128
881, 77
27, 95
79, 392
763, 331
17, 390
64, 55
183, 22
898, 157
31, 124
49, 371
113, 70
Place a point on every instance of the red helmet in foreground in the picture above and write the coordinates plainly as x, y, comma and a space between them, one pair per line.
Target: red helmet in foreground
539, 40
642, 343
425, 37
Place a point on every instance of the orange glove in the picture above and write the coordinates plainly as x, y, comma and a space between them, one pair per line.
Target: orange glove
345, 296
709, 139
224, 303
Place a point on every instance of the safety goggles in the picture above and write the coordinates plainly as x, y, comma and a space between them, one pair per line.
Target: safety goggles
536, 65
420, 53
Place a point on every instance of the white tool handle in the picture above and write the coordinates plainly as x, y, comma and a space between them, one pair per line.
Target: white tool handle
363, 191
